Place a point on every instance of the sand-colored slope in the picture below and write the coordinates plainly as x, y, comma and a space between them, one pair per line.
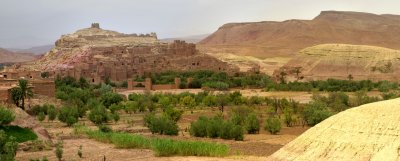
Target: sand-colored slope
340, 60
368, 132
246, 63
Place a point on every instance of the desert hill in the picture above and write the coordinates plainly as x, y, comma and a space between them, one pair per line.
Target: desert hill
7, 56
368, 132
269, 39
98, 54
341, 60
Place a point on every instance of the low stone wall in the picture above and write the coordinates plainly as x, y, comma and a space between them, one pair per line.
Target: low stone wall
46, 88
163, 87
5, 95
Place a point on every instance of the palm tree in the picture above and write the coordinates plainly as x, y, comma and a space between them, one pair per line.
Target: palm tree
24, 90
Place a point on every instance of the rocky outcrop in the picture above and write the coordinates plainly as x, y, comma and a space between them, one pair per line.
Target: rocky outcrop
271, 39
341, 60
368, 132
97, 54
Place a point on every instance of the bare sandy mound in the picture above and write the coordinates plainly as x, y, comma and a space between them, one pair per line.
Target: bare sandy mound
368, 132
340, 60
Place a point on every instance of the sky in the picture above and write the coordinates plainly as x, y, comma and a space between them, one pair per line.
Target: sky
28, 23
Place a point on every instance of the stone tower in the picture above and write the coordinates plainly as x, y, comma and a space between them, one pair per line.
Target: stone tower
96, 25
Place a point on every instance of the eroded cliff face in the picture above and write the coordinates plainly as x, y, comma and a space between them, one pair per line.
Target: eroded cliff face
271, 39
341, 60
368, 132
97, 54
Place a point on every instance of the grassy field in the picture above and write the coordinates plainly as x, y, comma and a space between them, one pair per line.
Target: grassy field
161, 146
21, 134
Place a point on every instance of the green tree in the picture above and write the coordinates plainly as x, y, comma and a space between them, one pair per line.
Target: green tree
25, 90
16, 95
110, 98
273, 125
209, 101
68, 115
41, 116
315, 112
222, 101
252, 124
59, 151
189, 102
99, 115
52, 113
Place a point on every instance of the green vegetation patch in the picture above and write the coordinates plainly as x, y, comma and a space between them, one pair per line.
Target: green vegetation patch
161, 146
21, 134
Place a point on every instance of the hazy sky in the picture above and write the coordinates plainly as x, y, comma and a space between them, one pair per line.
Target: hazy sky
26, 23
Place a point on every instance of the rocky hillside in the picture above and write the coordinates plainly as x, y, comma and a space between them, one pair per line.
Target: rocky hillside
341, 60
13, 57
268, 39
369, 132
98, 54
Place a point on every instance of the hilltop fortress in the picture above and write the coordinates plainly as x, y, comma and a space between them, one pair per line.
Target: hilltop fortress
97, 54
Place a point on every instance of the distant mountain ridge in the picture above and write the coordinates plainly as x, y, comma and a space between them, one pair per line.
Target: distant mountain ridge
7, 56
286, 38
37, 50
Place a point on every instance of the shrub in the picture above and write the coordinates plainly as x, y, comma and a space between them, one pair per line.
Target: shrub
273, 125
252, 124
52, 113
115, 107
80, 152
315, 112
288, 116
110, 98
99, 115
38, 109
8, 147
41, 116
116, 117
240, 113
59, 151
68, 115
214, 126
6, 116
199, 128
173, 114
105, 128
237, 133
216, 85
161, 125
